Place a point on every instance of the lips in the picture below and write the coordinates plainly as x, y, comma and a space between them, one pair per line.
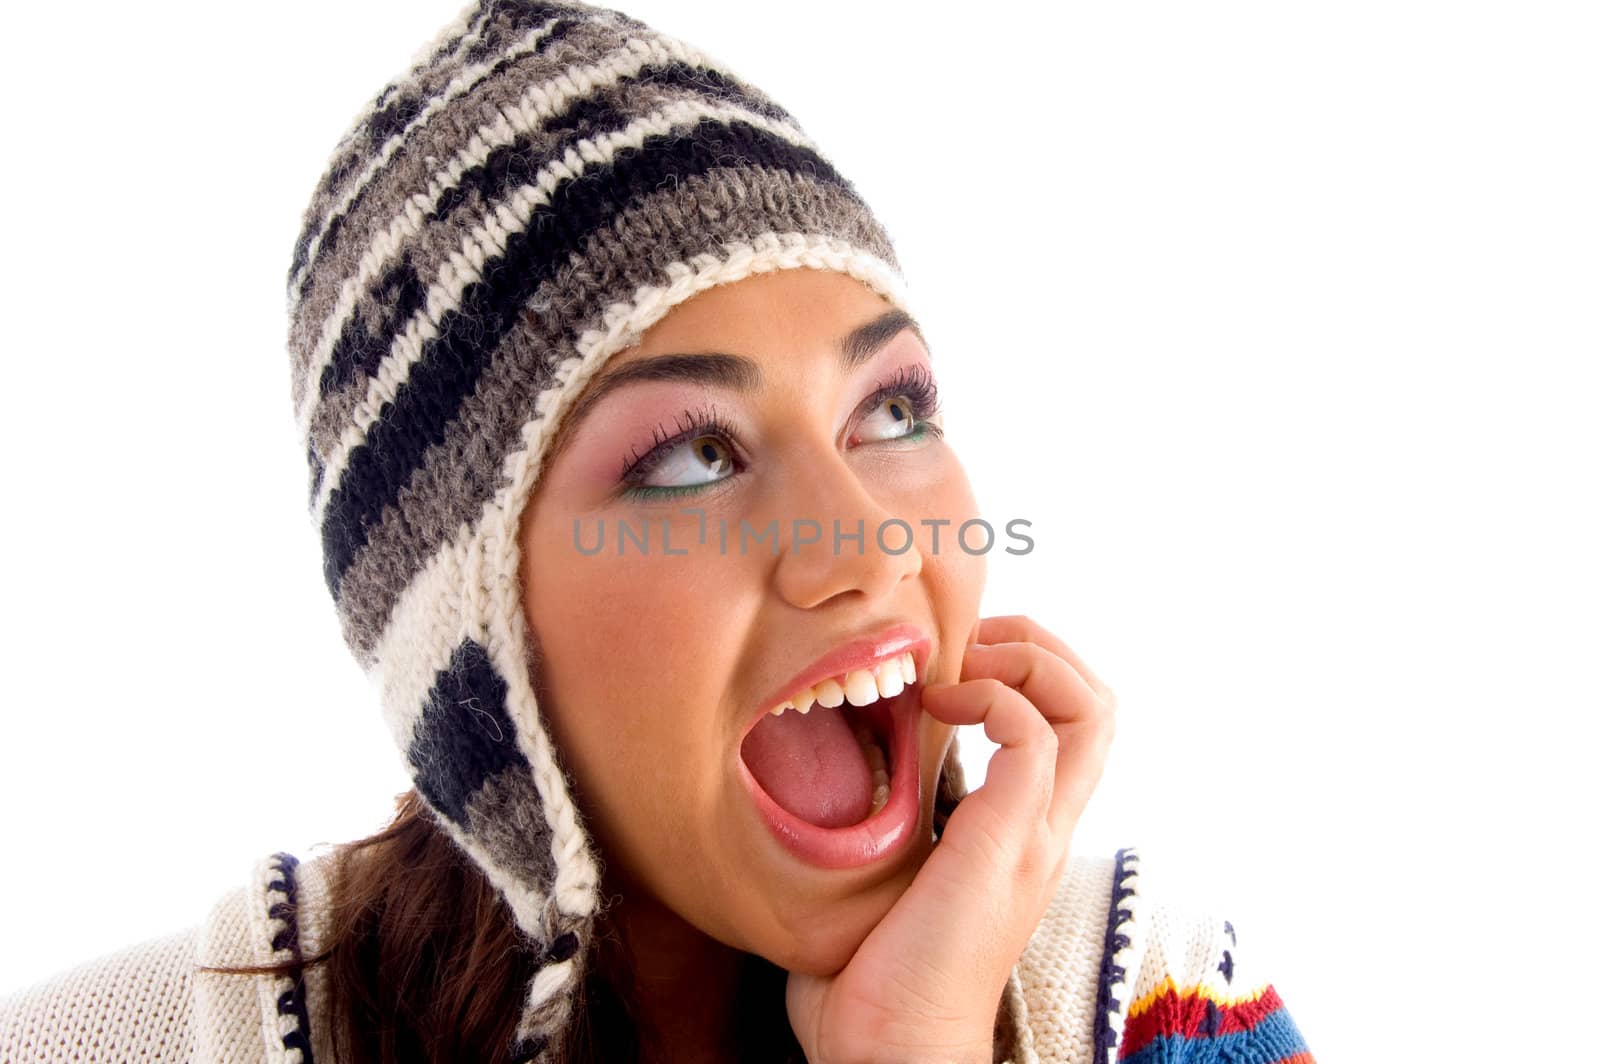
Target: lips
893, 719
882, 834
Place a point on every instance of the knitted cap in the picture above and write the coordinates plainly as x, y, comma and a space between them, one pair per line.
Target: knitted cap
543, 184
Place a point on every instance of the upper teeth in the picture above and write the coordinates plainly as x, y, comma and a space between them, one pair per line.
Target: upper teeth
859, 687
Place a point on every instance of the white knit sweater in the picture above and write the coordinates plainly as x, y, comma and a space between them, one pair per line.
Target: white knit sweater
147, 1003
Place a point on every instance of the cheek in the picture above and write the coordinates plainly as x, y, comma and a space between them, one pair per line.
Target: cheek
633, 676
948, 498
954, 579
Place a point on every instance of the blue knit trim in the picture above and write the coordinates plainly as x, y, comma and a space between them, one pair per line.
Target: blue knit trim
1119, 927
1273, 1040
292, 1002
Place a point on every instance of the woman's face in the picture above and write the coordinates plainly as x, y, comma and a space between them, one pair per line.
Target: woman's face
657, 659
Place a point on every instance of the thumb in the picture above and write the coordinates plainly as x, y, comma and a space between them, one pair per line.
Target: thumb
803, 1000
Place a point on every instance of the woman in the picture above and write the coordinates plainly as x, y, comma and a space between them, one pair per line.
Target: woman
637, 508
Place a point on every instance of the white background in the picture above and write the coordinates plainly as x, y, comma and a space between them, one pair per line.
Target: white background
1277, 320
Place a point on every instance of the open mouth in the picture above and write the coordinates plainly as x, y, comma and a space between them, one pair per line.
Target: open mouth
834, 770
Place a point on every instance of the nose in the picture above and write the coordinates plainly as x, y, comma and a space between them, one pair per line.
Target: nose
871, 553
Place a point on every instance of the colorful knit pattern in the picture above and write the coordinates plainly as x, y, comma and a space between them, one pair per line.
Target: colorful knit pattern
546, 182
1196, 1002
1193, 1025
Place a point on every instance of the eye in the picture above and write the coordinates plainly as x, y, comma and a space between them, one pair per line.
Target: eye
703, 451
702, 460
904, 408
891, 419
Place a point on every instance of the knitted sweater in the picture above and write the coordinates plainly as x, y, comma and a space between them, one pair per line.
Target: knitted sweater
1109, 968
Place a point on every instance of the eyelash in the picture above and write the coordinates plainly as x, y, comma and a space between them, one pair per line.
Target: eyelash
914, 382
704, 422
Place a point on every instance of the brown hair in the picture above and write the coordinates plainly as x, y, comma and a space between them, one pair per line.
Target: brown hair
425, 962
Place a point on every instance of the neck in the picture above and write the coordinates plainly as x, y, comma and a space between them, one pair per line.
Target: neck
684, 982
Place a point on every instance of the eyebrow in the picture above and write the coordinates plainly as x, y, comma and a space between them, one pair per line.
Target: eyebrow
735, 372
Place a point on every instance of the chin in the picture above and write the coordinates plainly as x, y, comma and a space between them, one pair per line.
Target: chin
821, 957
829, 937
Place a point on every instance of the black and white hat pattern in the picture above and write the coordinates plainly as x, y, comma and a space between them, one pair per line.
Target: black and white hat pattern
544, 182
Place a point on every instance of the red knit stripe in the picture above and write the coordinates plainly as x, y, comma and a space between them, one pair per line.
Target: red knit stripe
1191, 1015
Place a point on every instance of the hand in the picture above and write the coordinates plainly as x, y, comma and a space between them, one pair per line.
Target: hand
925, 984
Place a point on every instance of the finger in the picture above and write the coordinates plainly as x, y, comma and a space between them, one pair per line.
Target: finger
1018, 628
1058, 690
974, 903
1017, 785
1082, 721
979, 896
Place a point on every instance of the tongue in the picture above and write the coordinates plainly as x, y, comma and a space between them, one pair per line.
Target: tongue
812, 765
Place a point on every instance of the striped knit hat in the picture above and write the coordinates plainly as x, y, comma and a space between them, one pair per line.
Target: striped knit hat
545, 182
